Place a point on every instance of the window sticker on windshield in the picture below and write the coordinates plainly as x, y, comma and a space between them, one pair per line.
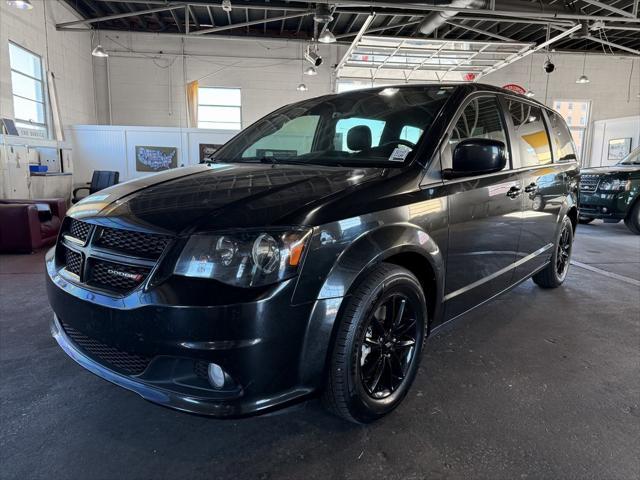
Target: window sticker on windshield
399, 154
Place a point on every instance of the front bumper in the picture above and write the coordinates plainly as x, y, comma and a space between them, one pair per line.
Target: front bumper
604, 205
260, 345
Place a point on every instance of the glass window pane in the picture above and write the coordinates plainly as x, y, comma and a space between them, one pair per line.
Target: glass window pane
28, 110
219, 96
294, 138
575, 112
218, 114
532, 140
220, 125
25, 62
411, 133
562, 141
578, 138
344, 125
26, 87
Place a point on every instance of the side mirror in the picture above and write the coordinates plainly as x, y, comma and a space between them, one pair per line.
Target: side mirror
477, 156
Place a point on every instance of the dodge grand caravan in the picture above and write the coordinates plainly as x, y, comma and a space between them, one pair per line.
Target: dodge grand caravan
317, 249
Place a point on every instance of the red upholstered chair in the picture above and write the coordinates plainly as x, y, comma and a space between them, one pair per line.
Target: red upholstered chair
26, 225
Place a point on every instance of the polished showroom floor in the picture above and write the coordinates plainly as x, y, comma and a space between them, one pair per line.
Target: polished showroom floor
537, 385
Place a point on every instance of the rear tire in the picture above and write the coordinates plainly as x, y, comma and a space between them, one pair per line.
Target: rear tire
378, 345
633, 219
555, 273
585, 220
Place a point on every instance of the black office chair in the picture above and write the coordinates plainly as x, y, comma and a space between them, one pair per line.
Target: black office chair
100, 180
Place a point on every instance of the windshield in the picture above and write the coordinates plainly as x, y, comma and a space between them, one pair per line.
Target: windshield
632, 159
379, 127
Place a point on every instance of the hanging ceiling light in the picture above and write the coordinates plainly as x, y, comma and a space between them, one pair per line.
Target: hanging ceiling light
302, 88
21, 4
311, 71
530, 93
582, 79
99, 52
327, 37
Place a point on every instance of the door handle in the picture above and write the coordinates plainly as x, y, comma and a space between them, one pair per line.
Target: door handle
531, 187
513, 192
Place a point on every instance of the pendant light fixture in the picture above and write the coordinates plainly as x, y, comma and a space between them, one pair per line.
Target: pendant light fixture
20, 4
301, 86
99, 52
327, 37
582, 79
530, 93
311, 71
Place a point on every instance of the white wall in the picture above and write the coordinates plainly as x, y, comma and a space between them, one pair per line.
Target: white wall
148, 89
605, 130
106, 147
69, 57
613, 90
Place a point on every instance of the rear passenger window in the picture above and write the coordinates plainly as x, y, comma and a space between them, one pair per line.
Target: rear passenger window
480, 119
563, 148
531, 139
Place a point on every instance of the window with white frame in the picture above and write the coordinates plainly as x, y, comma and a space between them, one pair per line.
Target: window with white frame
576, 114
27, 86
219, 108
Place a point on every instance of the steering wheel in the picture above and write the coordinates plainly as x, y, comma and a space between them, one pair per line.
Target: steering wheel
401, 141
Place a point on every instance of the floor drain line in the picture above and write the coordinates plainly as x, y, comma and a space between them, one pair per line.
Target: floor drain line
622, 278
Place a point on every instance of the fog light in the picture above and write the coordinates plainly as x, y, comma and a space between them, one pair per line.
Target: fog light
216, 375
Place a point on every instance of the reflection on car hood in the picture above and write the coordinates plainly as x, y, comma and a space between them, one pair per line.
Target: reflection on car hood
219, 196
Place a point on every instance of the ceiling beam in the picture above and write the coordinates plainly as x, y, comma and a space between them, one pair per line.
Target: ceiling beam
604, 6
118, 16
361, 32
251, 22
483, 32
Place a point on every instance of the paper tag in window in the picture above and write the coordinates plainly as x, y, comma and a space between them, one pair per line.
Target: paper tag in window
399, 154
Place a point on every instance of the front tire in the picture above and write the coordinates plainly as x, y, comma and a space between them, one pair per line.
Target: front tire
378, 345
633, 219
553, 275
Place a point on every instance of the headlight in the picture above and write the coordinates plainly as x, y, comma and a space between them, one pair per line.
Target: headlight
243, 259
612, 185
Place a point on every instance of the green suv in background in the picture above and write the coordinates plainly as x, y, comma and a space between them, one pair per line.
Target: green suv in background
612, 193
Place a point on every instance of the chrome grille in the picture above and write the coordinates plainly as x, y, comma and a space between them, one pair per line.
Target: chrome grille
589, 183
124, 362
116, 260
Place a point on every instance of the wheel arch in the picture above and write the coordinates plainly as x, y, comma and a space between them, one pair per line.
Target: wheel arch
404, 245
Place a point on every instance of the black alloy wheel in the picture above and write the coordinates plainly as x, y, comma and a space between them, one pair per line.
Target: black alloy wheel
556, 270
378, 343
388, 346
564, 251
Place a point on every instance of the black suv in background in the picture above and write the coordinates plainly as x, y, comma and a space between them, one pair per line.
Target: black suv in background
612, 193
317, 250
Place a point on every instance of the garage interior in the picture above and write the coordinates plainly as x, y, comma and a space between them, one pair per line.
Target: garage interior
538, 384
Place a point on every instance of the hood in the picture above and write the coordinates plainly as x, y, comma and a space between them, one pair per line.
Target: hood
219, 196
609, 169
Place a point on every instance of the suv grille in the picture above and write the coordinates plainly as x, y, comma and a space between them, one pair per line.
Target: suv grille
124, 362
589, 183
116, 260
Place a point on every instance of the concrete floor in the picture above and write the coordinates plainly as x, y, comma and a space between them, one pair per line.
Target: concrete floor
537, 384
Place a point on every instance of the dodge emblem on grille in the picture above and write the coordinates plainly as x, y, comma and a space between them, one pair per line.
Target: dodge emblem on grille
131, 276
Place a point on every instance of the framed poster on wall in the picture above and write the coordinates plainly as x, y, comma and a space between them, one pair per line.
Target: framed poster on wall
156, 159
619, 148
207, 150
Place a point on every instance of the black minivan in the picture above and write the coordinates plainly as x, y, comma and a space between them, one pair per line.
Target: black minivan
317, 249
